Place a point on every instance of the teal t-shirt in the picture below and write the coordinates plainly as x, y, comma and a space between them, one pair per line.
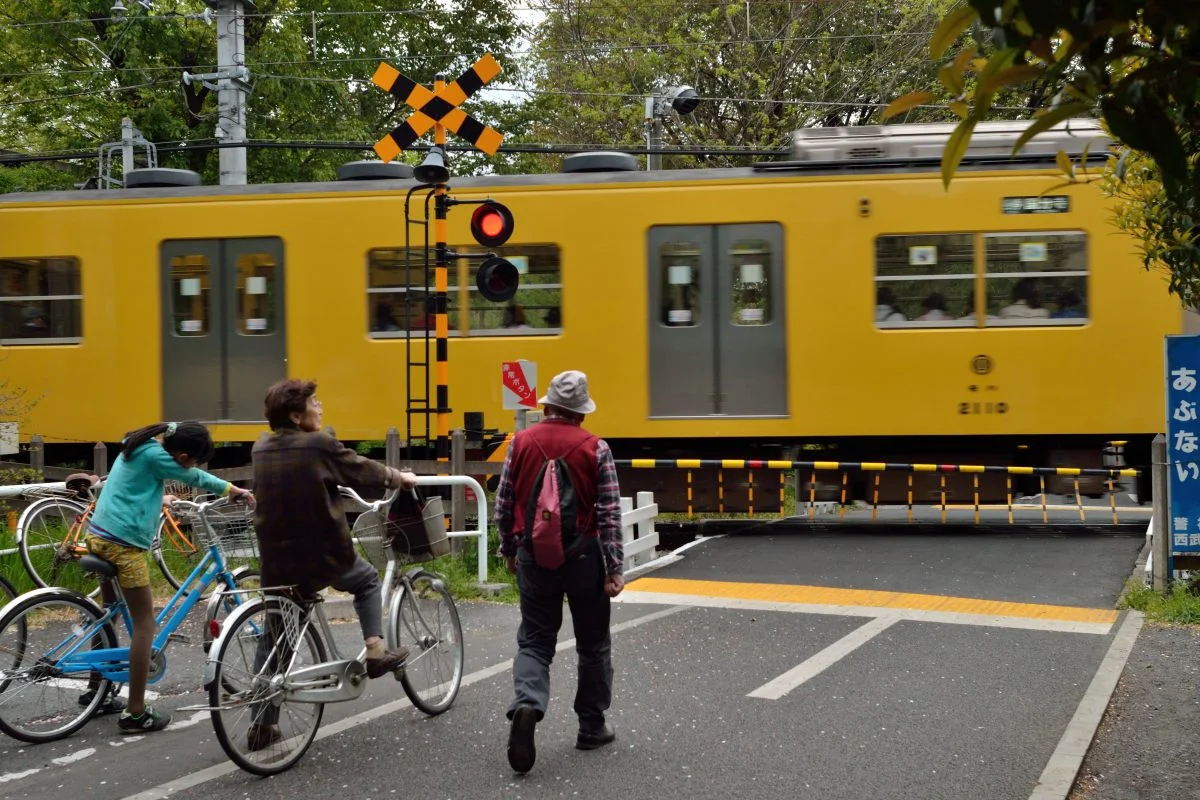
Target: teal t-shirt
131, 500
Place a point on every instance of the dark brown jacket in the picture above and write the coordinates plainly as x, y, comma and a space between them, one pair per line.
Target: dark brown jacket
302, 531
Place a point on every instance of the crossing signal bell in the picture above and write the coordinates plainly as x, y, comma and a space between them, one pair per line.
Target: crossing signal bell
492, 225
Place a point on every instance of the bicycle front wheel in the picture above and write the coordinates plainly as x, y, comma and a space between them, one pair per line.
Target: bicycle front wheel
425, 620
260, 729
42, 696
50, 538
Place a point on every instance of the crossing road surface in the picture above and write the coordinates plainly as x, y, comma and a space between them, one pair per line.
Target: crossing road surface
822, 666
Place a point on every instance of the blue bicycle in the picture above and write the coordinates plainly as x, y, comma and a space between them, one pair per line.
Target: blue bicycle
59, 658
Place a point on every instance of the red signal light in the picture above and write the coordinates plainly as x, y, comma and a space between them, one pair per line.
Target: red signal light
491, 224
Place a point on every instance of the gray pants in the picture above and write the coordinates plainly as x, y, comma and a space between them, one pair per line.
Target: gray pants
362, 581
581, 579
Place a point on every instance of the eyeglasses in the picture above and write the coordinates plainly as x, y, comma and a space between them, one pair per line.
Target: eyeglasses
316, 403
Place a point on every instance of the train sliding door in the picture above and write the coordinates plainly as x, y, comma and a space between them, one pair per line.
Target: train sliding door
718, 344
223, 340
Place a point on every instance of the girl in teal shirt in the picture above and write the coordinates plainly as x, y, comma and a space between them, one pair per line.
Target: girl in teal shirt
122, 528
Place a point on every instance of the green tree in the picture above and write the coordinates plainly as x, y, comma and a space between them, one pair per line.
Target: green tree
1134, 64
70, 73
762, 70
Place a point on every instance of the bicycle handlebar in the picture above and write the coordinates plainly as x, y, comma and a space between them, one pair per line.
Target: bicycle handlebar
369, 505
204, 506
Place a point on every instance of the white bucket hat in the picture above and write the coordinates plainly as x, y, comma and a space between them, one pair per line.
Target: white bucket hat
569, 390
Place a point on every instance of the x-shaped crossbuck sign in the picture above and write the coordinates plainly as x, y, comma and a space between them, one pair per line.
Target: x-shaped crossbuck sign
437, 107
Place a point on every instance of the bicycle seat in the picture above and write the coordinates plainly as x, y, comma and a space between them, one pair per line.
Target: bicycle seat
80, 483
101, 566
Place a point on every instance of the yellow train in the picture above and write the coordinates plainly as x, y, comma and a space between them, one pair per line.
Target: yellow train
841, 299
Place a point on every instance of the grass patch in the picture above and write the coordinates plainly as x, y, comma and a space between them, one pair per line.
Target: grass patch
460, 571
1178, 605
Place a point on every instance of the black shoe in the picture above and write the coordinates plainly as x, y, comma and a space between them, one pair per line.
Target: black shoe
111, 705
590, 740
391, 661
521, 751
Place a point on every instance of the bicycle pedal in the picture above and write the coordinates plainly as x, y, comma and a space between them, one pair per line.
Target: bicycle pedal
181, 638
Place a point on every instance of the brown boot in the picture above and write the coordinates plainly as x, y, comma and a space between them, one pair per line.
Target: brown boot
390, 661
260, 737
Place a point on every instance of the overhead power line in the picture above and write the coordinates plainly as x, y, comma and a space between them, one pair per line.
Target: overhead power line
174, 16
441, 58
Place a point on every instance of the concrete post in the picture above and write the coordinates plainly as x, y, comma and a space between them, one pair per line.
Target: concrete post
100, 459
1161, 545
37, 453
458, 494
392, 445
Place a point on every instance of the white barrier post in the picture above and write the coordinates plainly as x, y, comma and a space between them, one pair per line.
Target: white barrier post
638, 536
480, 509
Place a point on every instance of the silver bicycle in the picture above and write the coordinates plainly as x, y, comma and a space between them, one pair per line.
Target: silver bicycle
275, 662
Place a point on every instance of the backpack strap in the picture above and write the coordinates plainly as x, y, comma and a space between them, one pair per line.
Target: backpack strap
531, 505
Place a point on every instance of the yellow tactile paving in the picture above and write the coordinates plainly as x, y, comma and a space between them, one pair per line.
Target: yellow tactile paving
826, 596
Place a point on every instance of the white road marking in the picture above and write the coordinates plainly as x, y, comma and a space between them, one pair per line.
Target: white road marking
194, 719
1059, 775
16, 776
77, 756
811, 667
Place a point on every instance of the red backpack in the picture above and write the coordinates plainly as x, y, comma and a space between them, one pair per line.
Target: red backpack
551, 532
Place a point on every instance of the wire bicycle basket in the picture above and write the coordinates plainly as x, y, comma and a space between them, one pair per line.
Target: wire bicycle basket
233, 526
412, 539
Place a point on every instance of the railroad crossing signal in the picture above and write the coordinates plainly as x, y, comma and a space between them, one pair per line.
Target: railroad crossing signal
437, 107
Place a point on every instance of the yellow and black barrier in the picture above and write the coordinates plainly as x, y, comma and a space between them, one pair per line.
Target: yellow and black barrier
877, 468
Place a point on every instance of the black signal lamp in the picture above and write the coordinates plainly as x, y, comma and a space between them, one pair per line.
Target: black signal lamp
497, 279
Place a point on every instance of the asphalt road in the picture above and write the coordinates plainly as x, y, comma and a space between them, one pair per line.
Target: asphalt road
772, 666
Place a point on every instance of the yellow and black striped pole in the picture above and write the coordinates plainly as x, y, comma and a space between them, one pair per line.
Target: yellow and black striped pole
441, 285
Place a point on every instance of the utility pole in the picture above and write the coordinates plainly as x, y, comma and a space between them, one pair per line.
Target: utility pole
232, 77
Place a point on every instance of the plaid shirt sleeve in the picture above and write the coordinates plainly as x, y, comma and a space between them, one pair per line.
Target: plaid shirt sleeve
608, 510
505, 498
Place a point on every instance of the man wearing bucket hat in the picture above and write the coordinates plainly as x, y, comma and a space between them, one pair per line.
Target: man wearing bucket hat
587, 569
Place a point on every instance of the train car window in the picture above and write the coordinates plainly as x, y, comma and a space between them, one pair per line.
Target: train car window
257, 284
750, 275
1036, 278
41, 301
397, 303
679, 268
191, 298
536, 308
925, 281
